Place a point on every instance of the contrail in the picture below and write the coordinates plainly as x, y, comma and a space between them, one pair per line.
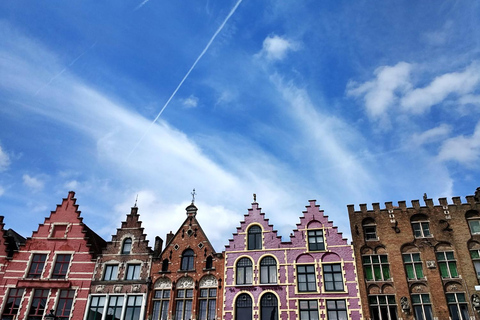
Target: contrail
140, 5
186, 75
64, 69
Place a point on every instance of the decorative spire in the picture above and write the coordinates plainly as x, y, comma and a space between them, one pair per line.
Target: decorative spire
136, 199
254, 197
193, 195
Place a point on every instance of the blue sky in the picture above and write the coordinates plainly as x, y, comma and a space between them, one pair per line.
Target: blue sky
339, 101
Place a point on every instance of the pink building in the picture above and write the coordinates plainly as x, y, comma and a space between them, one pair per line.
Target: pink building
310, 277
53, 269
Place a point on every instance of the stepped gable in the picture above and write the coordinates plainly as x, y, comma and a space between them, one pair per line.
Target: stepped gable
313, 217
131, 227
255, 216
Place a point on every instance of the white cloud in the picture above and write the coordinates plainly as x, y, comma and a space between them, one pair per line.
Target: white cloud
382, 92
458, 83
2, 191
432, 135
464, 149
190, 102
469, 99
71, 185
276, 48
4, 160
34, 183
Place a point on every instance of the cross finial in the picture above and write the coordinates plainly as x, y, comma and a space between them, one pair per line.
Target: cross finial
254, 197
193, 195
136, 199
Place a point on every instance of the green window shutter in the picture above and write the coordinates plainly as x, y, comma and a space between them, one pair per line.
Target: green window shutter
386, 272
410, 273
453, 269
377, 272
368, 273
419, 270
443, 269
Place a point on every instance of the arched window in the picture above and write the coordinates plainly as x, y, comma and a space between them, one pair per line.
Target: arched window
473, 221
187, 260
268, 270
165, 265
209, 263
127, 246
244, 271
243, 307
268, 307
255, 238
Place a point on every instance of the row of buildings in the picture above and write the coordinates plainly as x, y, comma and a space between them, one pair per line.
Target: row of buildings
416, 262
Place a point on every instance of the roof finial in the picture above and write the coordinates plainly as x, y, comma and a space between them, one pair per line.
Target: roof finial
425, 197
136, 199
254, 197
193, 195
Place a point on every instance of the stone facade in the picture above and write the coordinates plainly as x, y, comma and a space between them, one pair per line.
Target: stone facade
418, 262
308, 277
53, 269
121, 280
187, 275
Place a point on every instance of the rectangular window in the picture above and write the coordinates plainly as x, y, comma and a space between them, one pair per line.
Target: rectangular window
475, 254
376, 267
447, 264
370, 232
308, 310
422, 306
383, 307
306, 278
133, 272
13, 303
111, 272
207, 305
61, 266
336, 310
36, 267
161, 300
134, 306
421, 229
97, 305
115, 305
413, 266
315, 240
333, 277
65, 303
183, 310
37, 308
474, 226
458, 306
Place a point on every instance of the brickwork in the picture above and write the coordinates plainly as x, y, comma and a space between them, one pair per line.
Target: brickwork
116, 277
187, 283
58, 260
300, 281
428, 253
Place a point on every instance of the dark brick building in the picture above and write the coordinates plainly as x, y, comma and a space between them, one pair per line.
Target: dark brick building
418, 262
121, 279
187, 275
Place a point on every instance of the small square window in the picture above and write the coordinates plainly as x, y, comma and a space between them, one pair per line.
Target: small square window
421, 229
111, 272
474, 226
133, 272
315, 240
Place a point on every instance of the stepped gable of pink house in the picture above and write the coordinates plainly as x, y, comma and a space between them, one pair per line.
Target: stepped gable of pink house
312, 276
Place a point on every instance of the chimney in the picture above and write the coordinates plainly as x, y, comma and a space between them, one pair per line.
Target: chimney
158, 246
169, 237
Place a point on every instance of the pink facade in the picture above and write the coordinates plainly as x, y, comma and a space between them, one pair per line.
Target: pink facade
53, 269
310, 277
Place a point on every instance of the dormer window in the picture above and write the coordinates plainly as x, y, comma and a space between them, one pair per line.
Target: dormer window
315, 240
127, 246
255, 238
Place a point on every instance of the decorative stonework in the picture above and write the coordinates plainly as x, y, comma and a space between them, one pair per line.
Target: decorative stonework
136, 288
185, 283
208, 282
431, 264
117, 288
100, 288
163, 283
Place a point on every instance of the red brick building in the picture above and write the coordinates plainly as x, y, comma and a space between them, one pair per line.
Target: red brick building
418, 262
53, 269
10, 241
187, 275
122, 274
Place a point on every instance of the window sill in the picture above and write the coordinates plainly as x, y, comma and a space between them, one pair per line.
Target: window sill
334, 292
186, 271
164, 272
208, 269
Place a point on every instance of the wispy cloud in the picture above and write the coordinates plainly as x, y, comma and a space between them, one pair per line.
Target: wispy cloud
4, 160
382, 92
464, 149
34, 183
190, 102
276, 48
432, 135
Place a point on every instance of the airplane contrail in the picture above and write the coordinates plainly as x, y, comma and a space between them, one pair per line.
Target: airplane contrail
186, 75
140, 5
64, 69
